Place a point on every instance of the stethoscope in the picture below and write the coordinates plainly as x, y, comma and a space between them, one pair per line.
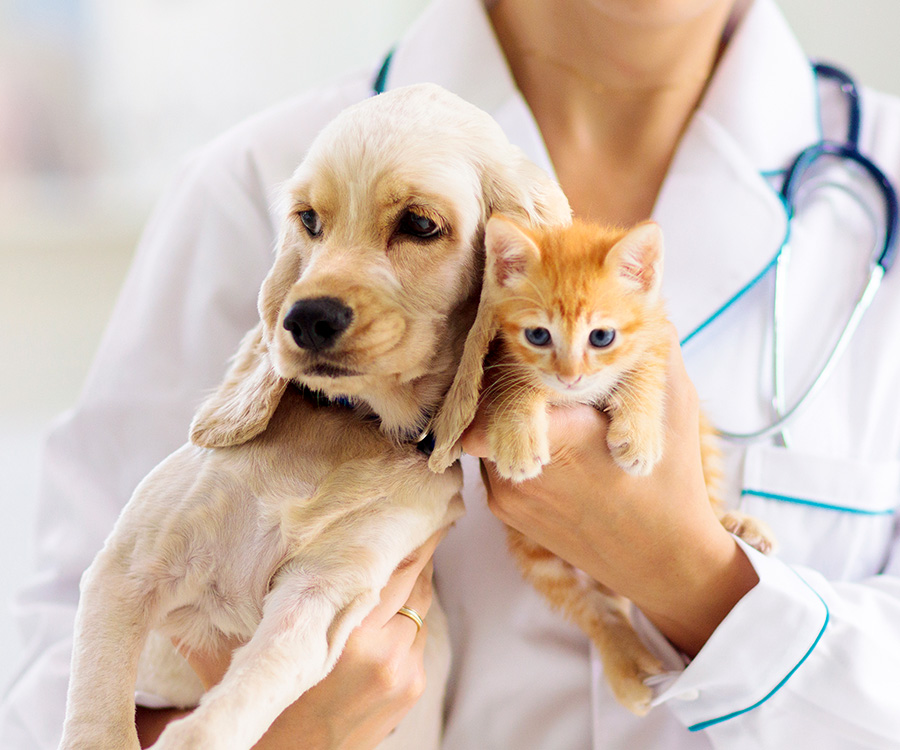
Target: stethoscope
880, 263
794, 180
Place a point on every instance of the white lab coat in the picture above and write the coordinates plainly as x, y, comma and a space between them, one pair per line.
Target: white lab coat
809, 658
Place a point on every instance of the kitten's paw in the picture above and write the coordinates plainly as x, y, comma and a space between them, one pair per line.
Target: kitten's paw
519, 457
754, 532
635, 451
627, 682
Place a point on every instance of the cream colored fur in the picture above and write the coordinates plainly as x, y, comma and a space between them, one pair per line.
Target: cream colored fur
281, 520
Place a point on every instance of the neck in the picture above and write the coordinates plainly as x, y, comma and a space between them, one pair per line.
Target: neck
612, 90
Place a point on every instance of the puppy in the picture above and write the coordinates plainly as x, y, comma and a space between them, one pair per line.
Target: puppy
283, 517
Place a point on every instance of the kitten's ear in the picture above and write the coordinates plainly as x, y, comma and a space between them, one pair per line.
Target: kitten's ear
461, 402
508, 249
638, 257
243, 405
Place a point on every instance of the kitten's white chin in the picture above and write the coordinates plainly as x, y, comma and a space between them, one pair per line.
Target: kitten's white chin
576, 393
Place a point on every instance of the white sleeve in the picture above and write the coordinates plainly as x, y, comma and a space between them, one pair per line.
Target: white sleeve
799, 662
189, 296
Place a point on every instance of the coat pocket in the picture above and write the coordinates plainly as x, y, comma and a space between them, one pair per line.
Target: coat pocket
836, 515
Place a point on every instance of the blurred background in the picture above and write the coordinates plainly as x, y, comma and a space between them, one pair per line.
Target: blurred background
99, 102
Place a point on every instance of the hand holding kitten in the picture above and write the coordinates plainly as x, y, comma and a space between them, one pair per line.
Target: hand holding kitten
655, 539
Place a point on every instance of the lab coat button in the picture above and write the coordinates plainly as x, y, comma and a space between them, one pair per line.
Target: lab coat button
689, 695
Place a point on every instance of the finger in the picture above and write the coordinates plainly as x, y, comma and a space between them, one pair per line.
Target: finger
474, 439
419, 603
422, 591
681, 389
400, 585
572, 427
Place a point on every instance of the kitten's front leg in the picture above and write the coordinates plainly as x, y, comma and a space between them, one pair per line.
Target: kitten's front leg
636, 410
517, 435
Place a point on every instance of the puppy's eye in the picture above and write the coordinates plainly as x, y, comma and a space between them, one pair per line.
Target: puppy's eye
419, 226
537, 336
310, 219
602, 337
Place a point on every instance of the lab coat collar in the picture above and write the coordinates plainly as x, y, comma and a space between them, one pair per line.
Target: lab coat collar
763, 93
453, 44
722, 220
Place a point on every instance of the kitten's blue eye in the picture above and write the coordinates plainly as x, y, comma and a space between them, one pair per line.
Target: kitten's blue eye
602, 337
311, 221
537, 336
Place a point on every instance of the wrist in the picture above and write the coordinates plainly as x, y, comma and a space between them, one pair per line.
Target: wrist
700, 594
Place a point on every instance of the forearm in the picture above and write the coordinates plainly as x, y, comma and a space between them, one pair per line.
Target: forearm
696, 603
282, 735
150, 722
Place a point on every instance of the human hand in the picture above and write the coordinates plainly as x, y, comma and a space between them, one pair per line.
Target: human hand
654, 539
378, 678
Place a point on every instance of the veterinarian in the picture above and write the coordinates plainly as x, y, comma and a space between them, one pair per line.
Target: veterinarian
686, 110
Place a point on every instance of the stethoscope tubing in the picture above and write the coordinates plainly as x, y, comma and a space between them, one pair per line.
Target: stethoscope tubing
809, 156
774, 428
882, 262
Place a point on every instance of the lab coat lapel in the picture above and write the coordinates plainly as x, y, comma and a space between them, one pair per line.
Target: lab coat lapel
723, 221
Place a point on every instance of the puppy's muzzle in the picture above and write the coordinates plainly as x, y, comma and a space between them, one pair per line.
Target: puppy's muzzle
317, 323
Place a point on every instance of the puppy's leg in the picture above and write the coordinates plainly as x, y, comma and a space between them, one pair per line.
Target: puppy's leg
306, 621
110, 629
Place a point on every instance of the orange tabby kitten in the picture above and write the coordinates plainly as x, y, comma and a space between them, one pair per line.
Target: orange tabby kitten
579, 320
574, 315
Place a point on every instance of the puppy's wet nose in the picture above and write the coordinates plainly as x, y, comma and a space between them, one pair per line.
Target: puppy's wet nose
318, 323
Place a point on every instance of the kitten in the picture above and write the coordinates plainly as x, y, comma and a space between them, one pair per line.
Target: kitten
579, 320
576, 317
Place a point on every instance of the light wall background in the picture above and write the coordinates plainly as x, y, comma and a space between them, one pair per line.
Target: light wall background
101, 99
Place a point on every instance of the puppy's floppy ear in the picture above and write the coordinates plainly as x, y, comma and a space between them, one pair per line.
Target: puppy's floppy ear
515, 186
508, 250
243, 405
461, 402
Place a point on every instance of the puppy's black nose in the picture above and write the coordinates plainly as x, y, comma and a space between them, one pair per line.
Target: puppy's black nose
318, 323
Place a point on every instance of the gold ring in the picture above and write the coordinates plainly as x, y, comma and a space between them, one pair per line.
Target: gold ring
412, 615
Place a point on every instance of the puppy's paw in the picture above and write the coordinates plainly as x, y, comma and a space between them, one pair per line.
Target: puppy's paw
635, 448
754, 532
519, 456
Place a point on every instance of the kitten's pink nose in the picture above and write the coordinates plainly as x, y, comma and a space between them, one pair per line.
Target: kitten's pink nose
569, 381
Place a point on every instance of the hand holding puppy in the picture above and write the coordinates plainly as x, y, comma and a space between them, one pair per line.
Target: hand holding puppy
373, 686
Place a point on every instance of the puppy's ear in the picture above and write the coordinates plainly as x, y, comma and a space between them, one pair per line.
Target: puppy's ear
243, 405
517, 187
461, 402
